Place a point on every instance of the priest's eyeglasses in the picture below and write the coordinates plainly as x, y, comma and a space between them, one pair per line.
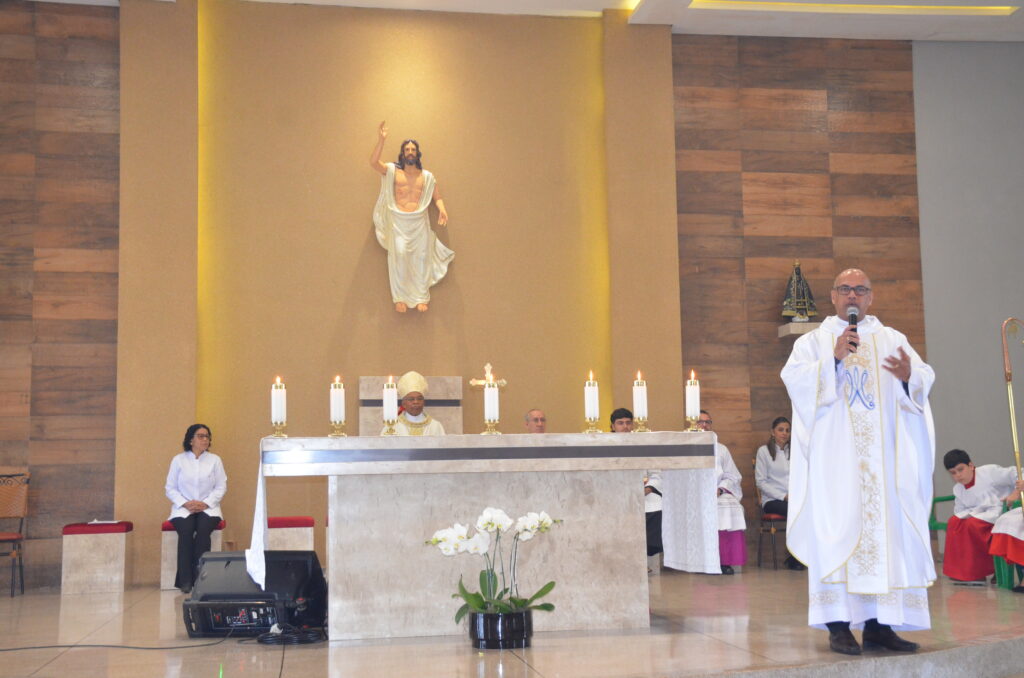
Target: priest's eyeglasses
859, 290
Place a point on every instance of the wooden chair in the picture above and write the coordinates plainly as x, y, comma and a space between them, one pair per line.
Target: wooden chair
14, 505
771, 523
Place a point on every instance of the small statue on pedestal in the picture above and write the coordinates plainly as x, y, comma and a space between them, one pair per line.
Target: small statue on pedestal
798, 305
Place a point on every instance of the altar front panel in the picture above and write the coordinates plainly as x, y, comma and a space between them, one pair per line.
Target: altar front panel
388, 495
385, 582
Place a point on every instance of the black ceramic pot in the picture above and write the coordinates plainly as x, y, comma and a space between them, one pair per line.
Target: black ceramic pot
500, 630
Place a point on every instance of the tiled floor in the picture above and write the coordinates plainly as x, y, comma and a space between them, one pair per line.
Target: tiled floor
699, 625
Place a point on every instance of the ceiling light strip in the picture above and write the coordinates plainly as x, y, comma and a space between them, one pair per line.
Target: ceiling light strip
833, 8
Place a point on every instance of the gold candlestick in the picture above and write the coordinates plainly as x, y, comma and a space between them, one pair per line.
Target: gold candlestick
491, 387
279, 428
693, 423
641, 425
389, 427
337, 430
592, 427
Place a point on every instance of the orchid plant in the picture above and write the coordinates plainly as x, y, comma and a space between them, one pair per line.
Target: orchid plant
499, 587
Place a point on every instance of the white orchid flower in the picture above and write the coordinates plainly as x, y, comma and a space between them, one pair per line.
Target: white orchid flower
449, 539
479, 544
529, 523
493, 519
545, 522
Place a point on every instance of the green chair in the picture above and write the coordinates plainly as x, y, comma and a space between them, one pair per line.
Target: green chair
933, 522
1005, 572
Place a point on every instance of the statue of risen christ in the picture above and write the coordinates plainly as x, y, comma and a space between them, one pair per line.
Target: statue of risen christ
417, 260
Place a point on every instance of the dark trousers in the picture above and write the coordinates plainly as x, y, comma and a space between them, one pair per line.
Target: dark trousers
193, 541
654, 533
777, 506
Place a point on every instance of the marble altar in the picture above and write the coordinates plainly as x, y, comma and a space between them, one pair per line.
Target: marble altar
388, 495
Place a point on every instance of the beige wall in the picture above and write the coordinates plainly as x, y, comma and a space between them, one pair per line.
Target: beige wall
156, 357
645, 330
514, 118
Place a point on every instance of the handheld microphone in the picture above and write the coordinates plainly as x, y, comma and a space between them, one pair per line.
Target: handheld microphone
851, 317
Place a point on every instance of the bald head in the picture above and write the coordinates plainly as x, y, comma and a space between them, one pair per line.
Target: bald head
852, 271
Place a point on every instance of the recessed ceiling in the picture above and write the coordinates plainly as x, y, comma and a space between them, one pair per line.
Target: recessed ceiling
826, 24
767, 22
763, 21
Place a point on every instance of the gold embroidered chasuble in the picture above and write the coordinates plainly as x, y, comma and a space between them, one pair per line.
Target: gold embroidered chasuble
862, 457
427, 426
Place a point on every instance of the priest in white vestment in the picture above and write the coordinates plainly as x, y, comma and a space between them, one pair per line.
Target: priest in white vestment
412, 420
417, 260
861, 464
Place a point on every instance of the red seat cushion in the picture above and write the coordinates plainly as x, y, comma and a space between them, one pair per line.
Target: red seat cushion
772, 516
167, 526
98, 528
11, 536
290, 521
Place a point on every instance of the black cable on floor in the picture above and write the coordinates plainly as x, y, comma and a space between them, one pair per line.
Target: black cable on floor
290, 635
115, 647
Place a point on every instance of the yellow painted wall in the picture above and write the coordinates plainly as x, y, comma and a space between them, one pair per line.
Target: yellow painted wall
511, 116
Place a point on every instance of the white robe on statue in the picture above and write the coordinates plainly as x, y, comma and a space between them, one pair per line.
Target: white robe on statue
860, 484
730, 511
417, 260
420, 425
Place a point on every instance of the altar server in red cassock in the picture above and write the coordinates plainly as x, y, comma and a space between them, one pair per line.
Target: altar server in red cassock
979, 493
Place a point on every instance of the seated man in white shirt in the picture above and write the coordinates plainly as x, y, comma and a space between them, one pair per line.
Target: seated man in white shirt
536, 422
412, 420
622, 422
732, 545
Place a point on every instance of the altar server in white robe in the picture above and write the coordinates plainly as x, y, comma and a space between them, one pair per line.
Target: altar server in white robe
413, 421
979, 494
732, 544
857, 518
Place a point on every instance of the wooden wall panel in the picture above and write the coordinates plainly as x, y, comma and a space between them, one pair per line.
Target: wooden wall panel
787, 149
59, 128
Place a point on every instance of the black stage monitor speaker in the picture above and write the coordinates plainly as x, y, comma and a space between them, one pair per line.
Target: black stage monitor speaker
225, 599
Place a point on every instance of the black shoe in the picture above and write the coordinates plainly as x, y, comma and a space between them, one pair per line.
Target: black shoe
794, 564
885, 637
843, 642
727, 569
185, 589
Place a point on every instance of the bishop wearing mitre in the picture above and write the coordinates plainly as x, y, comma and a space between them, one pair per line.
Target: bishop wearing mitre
412, 420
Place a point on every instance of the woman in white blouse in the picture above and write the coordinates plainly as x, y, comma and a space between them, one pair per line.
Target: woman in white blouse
196, 483
771, 473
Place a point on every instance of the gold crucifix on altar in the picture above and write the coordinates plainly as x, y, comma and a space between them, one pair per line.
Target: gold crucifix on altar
490, 386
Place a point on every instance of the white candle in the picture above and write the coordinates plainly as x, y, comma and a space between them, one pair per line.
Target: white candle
591, 399
278, 403
639, 397
390, 400
337, 393
490, 401
692, 397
